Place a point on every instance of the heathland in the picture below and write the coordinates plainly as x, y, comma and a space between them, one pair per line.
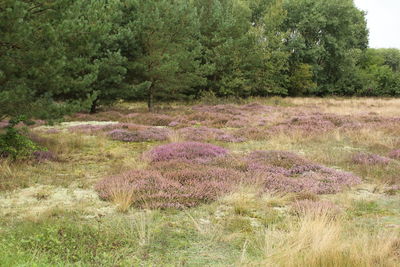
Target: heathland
261, 182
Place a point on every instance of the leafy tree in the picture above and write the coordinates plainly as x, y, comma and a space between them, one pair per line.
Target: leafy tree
391, 57
321, 33
241, 46
301, 80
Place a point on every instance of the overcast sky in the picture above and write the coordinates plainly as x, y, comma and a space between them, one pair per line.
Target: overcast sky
383, 18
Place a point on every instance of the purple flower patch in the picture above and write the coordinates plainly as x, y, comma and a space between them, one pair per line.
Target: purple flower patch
186, 151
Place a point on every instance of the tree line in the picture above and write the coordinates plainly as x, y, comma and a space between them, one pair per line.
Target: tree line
59, 56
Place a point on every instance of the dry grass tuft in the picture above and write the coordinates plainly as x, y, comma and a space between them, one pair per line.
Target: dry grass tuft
323, 241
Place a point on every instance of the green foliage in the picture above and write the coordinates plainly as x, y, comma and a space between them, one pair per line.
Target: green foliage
166, 63
64, 56
14, 144
33, 65
321, 34
57, 241
241, 47
301, 80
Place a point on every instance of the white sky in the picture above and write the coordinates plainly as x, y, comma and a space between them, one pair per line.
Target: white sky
383, 18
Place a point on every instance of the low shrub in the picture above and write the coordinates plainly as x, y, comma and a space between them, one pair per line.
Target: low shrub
238, 122
288, 172
314, 123
186, 151
369, 159
230, 138
206, 134
253, 133
275, 158
15, 144
149, 134
168, 188
395, 154
200, 133
3, 124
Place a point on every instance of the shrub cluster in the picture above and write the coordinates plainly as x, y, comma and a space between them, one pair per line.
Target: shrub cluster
195, 151
187, 174
148, 134
170, 184
288, 172
369, 159
395, 154
204, 133
311, 123
152, 119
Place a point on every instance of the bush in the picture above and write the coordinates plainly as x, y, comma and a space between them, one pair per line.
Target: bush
288, 172
169, 188
153, 119
205, 134
369, 159
186, 151
395, 154
149, 134
14, 144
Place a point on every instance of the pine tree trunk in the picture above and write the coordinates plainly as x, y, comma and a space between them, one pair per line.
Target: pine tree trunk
150, 100
93, 108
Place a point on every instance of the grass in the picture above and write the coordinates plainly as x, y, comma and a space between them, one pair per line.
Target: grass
50, 214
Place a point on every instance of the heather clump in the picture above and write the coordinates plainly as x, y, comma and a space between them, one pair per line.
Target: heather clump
311, 123
175, 164
305, 124
204, 133
148, 134
174, 124
259, 108
288, 172
253, 133
195, 151
3, 124
210, 118
238, 122
369, 159
152, 119
274, 158
169, 188
395, 154
53, 131
230, 138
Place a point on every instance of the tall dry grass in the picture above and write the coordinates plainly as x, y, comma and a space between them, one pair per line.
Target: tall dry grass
317, 239
351, 106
